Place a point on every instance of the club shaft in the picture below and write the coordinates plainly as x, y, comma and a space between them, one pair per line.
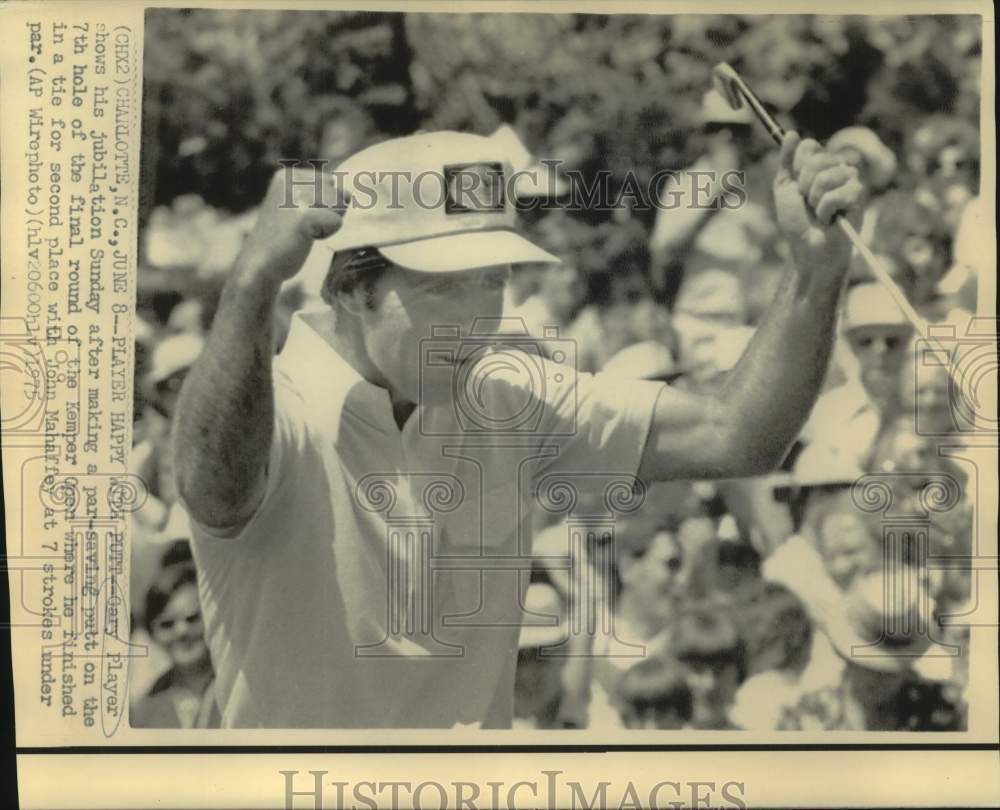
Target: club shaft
887, 281
773, 128
876, 266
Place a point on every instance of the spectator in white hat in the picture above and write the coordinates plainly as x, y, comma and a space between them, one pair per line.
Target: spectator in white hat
277, 462
846, 420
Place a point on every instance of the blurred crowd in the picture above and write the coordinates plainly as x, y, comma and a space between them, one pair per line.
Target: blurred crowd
755, 603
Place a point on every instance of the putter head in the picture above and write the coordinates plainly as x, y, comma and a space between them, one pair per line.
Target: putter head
726, 82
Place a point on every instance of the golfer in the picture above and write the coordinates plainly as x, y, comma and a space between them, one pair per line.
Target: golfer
314, 482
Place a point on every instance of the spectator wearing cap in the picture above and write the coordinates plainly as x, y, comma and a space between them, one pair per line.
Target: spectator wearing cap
273, 456
843, 427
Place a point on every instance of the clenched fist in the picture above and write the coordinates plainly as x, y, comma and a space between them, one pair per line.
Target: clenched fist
811, 188
301, 206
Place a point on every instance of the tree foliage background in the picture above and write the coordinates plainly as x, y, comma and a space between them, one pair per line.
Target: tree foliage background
228, 93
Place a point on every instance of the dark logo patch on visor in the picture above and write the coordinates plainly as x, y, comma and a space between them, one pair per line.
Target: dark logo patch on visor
474, 188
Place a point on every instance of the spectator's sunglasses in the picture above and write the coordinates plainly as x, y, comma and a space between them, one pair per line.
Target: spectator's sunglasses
166, 625
936, 164
733, 128
890, 342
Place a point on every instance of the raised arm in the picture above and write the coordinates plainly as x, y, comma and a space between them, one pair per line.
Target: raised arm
746, 427
225, 415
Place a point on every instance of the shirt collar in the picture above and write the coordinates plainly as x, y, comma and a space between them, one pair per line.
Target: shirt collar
332, 388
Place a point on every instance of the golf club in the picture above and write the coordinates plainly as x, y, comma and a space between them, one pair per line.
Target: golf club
731, 87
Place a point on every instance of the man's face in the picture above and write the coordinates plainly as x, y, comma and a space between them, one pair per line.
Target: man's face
881, 353
847, 547
650, 562
407, 305
179, 628
927, 397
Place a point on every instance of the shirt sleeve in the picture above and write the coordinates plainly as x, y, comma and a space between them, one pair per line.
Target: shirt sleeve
287, 440
598, 424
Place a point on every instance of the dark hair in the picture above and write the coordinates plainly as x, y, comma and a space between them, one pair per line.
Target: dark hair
774, 619
350, 269
177, 552
168, 582
707, 635
653, 685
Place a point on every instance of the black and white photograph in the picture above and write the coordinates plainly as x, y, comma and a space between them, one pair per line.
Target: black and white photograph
546, 371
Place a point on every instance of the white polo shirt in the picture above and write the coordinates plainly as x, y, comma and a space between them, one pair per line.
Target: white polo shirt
324, 611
